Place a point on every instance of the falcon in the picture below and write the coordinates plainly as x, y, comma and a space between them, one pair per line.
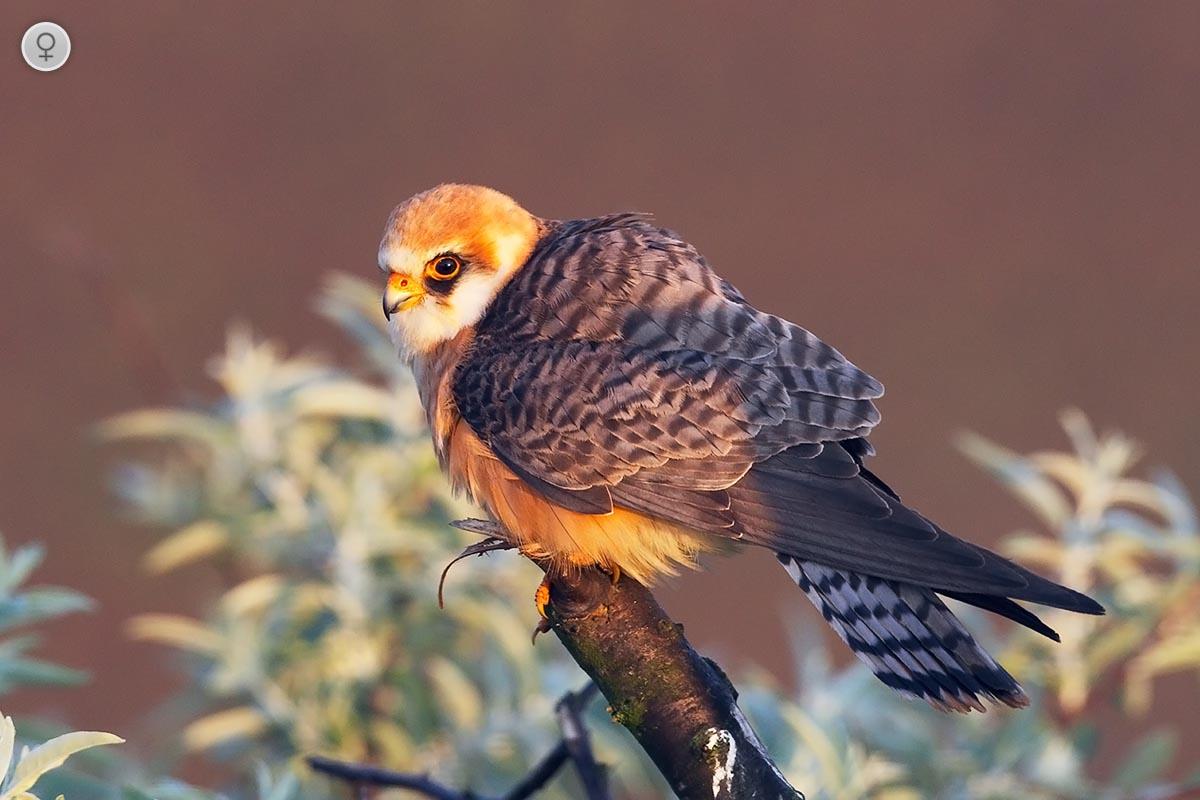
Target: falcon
611, 401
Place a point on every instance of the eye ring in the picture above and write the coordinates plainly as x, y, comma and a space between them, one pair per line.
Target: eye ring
444, 268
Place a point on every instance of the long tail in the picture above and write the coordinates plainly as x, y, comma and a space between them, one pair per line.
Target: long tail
907, 636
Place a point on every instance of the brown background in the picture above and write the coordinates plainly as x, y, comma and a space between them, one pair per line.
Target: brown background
993, 208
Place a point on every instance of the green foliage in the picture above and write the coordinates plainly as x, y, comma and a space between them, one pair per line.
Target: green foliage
18, 775
1129, 542
1133, 543
268, 785
21, 771
314, 492
21, 606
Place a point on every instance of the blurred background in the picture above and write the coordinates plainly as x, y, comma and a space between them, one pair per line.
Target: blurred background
990, 207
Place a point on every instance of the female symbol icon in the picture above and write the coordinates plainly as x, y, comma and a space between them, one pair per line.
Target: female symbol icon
45, 48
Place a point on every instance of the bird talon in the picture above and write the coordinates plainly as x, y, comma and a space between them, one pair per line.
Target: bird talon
614, 572
543, 626
541, 598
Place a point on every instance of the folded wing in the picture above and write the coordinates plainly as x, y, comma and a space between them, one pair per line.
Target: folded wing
617, 367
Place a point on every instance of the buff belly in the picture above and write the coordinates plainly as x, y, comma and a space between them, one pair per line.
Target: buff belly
639, 545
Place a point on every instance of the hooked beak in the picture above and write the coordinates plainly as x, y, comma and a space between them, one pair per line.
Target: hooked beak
401, 292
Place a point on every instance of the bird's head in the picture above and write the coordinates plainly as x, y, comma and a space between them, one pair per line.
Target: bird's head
446, 253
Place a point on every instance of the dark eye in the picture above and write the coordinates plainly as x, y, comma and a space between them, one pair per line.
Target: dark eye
443, 268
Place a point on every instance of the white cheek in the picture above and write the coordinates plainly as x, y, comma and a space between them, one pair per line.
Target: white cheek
472, 297
415, 330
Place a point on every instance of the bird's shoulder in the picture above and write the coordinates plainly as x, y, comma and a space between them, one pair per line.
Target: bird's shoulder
605, 279
618, 341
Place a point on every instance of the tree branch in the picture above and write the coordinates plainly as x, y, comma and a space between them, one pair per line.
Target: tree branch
679, 706
367, 775
591, 773
574, 747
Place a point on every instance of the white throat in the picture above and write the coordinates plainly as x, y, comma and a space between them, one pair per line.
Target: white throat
435, 319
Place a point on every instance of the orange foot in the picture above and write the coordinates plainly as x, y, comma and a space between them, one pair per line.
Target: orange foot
541, 599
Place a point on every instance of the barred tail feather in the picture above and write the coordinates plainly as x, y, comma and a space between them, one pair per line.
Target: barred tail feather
907, 636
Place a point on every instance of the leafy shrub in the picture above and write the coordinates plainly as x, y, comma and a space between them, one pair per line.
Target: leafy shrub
20, 606
315, 493
1131, 543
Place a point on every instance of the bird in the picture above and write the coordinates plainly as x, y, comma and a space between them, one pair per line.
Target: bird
611, 401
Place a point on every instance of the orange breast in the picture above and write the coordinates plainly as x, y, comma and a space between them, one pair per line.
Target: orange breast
641, 546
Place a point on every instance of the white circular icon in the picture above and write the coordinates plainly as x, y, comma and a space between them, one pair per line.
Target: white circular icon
46, 46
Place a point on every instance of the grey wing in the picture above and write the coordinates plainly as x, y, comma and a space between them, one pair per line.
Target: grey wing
829, 509
617, 352
618, 368
580, 415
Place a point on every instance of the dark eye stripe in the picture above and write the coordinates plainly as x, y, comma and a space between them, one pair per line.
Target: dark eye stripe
439, 288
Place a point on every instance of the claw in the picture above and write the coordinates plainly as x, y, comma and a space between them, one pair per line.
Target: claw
614, 572
541, 598
543, 626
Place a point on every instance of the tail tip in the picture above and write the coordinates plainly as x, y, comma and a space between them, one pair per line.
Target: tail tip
964, 703
1086, 605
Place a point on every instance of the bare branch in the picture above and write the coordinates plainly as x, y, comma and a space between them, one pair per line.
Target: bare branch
679, 706
578, 743
574, 746
366, 775
541, 774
